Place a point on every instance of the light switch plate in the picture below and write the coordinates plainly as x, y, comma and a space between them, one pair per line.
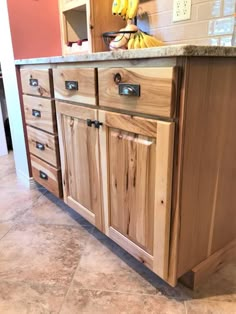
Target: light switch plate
181, 10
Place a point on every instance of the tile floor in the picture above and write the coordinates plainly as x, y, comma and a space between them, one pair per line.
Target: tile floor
53, 261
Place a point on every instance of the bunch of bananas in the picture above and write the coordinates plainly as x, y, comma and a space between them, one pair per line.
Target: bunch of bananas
143, 40
125, 8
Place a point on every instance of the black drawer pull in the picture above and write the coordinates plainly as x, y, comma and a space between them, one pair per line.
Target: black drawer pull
36, 113
97, 124
129, 89
90, 122
40, 146
43, 175
33, 82
71, 85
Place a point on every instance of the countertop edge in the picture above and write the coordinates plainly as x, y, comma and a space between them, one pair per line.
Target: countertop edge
146, 53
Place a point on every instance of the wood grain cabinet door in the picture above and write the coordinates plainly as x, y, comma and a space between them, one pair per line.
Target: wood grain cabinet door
79, 153
136, 163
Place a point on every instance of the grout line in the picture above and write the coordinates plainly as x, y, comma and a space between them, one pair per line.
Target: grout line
185, 306
14, 224
72, 279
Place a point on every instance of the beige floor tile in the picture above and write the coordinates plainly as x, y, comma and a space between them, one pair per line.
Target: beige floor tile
107, 302
210, 307
45, 210
4, 228
101, 269
24, 298
15, 203
41, 254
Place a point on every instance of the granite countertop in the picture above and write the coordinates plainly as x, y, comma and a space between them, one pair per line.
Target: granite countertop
164, 51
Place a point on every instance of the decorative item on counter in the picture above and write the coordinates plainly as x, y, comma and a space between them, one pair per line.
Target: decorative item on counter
120, 39
129, 37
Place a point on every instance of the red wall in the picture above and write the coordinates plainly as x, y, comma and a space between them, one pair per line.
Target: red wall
35, 28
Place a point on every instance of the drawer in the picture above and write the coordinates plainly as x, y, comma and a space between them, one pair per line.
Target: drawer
36, 82
78, 85
47, 176
155, 93
40, 113
43, 145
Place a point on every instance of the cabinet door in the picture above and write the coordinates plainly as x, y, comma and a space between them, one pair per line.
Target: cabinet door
79, 153
136, 162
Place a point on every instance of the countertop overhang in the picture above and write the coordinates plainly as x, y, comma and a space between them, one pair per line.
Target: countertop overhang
146, 53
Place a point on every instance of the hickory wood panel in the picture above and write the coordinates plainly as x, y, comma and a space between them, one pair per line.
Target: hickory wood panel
87, 86
50, 142
132, 181
44, 82
163, 197
132, 248
209, 174
80, 161
46, 107
53, 183
145, 127
157, 90
129, 161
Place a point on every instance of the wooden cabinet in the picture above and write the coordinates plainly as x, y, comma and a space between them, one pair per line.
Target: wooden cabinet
40, 118
86, 19
76, 84
150, 91
154, 172
79, 149
136, 159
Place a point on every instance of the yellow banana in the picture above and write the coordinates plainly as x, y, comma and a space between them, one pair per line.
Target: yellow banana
136, 42
151, 41
115, 7
142, 42
123, 7
132, 8
131, 43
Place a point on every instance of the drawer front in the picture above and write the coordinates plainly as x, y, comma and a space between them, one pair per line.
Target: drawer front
36, 82
47, 176
143, 90
78, 85
40, 113
43, 145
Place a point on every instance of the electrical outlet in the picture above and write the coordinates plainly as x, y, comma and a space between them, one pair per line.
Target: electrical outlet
181, 10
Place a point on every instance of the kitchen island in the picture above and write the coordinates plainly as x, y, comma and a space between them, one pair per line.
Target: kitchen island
141, 143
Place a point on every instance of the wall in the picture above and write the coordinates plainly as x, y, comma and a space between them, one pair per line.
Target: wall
35, 28
12, 96
211, 22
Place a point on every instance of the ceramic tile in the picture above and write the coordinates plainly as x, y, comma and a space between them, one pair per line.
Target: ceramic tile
46, 210
42, 254
106, 266
4, 228
101, 269
20, 298
219, 287
92, 301
210, 307
15, 202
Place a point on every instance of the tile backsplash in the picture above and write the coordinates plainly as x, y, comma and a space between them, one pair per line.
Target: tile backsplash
211, 23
